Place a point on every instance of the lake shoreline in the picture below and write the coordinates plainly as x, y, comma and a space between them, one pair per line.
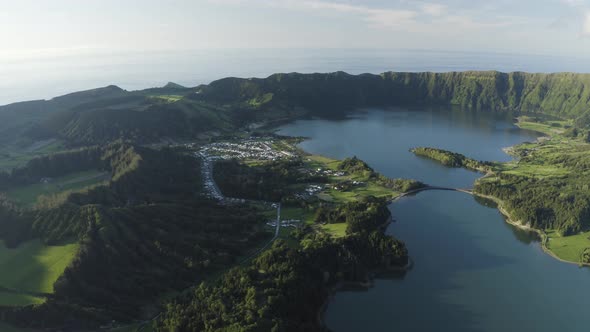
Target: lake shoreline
510, 220
358, 285
328, 316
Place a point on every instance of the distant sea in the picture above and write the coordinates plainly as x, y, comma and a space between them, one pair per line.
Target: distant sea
46, 77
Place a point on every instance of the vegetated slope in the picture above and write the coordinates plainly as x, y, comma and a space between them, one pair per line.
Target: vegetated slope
285, 288
561, 94
110, 113
142, 116
105, 114
18, 118
145, 233
451, 159
548, 187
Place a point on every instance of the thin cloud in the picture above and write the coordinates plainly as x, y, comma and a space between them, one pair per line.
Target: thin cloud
580, 12
434, 9
376, 17
586, 27
419, 16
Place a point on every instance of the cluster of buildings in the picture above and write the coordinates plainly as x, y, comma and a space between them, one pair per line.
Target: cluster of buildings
248, 149
285, 223
313, 189
211, 188
347, 185
310, 191
325, 172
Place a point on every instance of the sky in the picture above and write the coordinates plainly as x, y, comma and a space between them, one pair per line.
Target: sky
33, 28
53, 47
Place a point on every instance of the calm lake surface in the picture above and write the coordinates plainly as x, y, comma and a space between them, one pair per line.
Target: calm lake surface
472, 271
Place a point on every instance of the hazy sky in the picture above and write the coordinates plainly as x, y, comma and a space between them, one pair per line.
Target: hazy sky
39, 27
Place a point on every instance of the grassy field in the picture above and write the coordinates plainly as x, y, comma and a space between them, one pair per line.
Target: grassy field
368, 188
547, 127
32, 268
538, 171
317, 161
569, 248
167, 98
15, 156
336, 230
543, 160
289, 212
11, 299
27, 195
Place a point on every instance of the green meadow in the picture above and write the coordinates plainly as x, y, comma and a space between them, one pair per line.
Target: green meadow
336, 230
556, 160
569, 248
17, 155
30, 270
28, 195
368, 188
167, 98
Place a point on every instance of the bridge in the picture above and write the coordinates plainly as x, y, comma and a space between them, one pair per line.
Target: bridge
415, 191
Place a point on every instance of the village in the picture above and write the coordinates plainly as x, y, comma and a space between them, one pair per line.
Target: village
248, 149
255, 149
265, 149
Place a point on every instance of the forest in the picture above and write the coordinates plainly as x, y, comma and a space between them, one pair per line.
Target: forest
452, 159
146, 233
560, 203
285, 288
271, 181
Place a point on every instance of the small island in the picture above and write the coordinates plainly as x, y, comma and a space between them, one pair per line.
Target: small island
452, 159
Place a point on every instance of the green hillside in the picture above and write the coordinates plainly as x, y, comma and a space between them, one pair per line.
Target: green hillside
31, 268
145, 233
176, 112
564, 94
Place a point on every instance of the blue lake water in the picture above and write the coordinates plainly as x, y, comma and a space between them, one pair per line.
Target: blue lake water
472, 271
384, 138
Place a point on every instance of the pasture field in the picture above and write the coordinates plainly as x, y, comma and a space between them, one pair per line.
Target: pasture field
16, 156
336, 230
27, 195
569, 248
30, 270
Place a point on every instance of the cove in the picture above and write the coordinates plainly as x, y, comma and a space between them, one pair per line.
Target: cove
472, 271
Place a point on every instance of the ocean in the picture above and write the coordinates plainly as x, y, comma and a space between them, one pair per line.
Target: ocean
43, 77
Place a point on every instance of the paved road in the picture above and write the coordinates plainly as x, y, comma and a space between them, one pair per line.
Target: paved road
214, 192
407, 193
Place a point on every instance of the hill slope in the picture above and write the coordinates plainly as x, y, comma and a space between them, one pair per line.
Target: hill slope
564, 94
173, 111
